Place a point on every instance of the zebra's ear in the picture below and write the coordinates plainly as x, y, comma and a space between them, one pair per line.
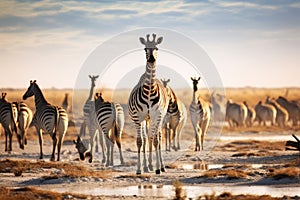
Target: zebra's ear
90, 76
97, 76
199, 78
34, 81
192, 79
30, 81
142, 40
168, 80
74, 141
159, 40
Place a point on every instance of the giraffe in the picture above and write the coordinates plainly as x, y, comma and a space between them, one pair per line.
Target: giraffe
148, 104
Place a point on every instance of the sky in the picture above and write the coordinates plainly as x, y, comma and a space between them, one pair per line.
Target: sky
251, 43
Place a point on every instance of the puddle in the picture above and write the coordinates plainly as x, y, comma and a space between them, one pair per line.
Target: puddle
168, 191
204, 166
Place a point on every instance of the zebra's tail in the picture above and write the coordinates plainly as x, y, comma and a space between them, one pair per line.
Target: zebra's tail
13, 122
56, 119
115, 122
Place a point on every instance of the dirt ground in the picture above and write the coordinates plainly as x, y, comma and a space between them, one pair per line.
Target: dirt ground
232, 159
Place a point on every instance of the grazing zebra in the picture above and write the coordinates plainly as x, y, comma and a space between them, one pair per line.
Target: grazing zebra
7, 121
65, 103
200, 116
282, 115
148, 104
24, 120
236, 113
175, 119
109, 118
292, 107
48, 119
264, 113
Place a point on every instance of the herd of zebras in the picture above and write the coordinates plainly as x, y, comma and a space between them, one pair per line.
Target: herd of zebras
153, 107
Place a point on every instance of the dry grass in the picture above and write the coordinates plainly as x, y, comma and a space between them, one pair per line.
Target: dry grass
70, 169
229, 196
229, 174
29, 193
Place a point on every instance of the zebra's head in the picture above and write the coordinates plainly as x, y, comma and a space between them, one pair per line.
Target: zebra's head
150, 47
79, 145
30, 90
165, 82
93, 80
195, 83
3, 97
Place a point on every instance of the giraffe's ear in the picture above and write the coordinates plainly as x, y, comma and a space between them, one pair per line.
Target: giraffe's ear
142, 40
159, 40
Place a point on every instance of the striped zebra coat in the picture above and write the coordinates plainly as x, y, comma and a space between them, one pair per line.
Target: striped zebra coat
7, 121
174, 120
147, 104
48, 119
109, 119
25, 116
200, 115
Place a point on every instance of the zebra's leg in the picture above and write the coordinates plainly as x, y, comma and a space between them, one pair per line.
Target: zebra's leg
6, 134
82, 129
118, 141
40, 134
59, 144
112, 153
174, 132
139, 143
144, 145
162, 166
92, 142
150, 143
54, 140
102, 144
108, 149
196, 130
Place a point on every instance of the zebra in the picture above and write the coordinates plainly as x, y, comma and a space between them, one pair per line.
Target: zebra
109, 117
25, 116
7, 121
236, 113
264, 113
90, 122
251, 115
174, 120
200, 115
147, 106
47, 118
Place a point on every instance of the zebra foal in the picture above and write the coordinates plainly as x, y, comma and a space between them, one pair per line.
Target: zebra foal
48, 119
174, 120
200, 115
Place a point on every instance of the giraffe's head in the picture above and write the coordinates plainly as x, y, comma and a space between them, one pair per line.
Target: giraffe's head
150, 47
165, 82
195, 83
30, 90
93, 80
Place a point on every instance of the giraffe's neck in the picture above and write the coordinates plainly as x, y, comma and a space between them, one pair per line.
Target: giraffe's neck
150, 74
39, 98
